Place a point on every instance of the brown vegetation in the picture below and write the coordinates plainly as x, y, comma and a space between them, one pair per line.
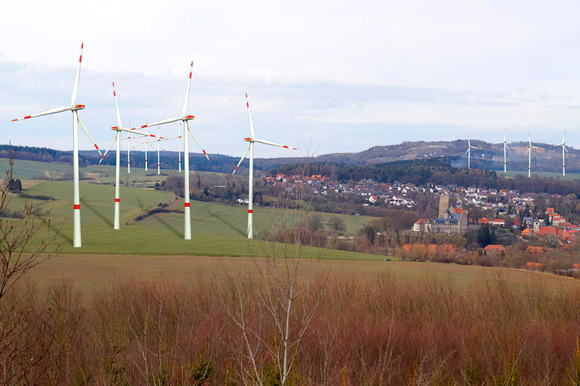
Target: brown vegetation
380, 331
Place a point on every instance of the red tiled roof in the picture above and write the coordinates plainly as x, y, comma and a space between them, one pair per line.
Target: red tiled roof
494, 247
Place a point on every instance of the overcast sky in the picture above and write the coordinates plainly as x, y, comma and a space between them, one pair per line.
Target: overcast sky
324, 76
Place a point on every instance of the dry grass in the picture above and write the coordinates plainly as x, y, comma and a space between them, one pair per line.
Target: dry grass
376, 323
89, 271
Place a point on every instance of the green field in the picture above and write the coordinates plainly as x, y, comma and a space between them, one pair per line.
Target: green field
217, 229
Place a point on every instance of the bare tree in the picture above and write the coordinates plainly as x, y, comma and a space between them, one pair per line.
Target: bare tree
273, 304
22, 241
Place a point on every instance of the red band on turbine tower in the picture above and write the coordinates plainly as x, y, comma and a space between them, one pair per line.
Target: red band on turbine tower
250, 211
187, 204
77, 207
117, 200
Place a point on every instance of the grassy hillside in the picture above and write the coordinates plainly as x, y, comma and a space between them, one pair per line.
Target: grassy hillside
218, 229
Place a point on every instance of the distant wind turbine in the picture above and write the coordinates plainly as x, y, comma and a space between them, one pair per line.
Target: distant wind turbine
529, 151
118, 129
505, 148
253, 140
468, 151
564, 150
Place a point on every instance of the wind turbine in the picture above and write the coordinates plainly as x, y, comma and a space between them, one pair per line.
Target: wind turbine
128, 153
253, 140
564, 150
529, 151
185, 118
74, 108
146, 153
179, 147
468, 151
118, 129
158, 158
505, 148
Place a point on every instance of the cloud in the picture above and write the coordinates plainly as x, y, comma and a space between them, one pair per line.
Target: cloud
333, 74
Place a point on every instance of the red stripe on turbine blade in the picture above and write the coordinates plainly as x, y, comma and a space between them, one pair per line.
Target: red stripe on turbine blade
114, 93
247, 104
27, 117
187, 205
204, 152
144, 126
250, 211
246, 95
236, 168
285, 147
77, 207
14, 120
96, 146
117, 200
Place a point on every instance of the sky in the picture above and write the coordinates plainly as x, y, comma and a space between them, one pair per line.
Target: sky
322, 76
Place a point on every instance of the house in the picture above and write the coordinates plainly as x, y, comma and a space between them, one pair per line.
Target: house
483, 221
526, 233
545, 231
498, 222
420, 225
494, 250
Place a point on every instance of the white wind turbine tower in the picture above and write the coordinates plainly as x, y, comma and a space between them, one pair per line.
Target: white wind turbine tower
468, 151
179, 146
505, 148
158, 141
564, 150
185, 119
158, 158
146, 153
128, 153
253, 140
119, 128
74, 107
529, 151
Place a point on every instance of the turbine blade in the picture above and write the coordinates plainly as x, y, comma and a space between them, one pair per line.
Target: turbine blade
88, 135
47, 112
108, 148
117, 107
73, 99
265, 142
250, 118
186, 101
243, 157
162, 122
138, 132
196, 140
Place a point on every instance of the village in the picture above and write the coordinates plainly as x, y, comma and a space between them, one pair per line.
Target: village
530, 218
